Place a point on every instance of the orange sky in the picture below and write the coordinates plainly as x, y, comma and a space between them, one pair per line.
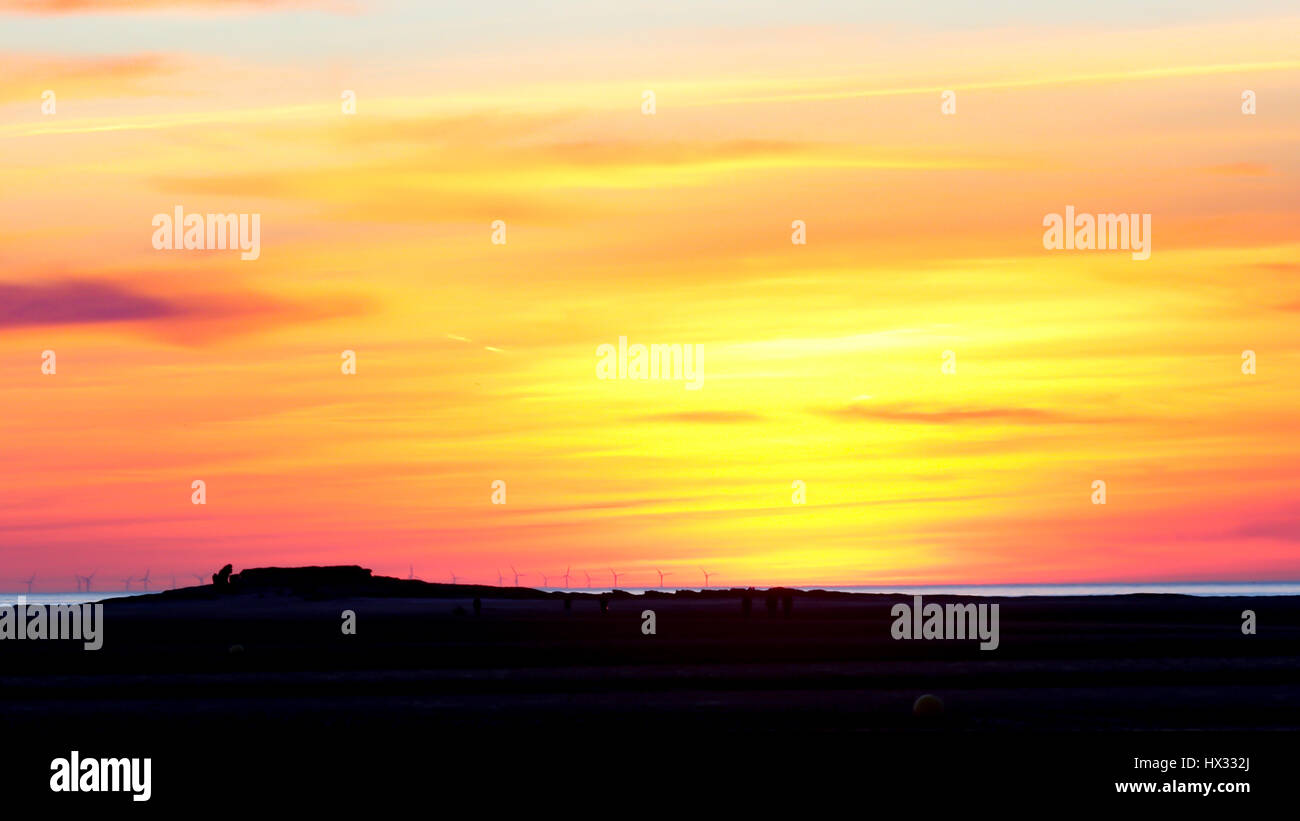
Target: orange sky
476, 361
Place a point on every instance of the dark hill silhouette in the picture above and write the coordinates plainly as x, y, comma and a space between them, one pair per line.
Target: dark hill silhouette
348, 581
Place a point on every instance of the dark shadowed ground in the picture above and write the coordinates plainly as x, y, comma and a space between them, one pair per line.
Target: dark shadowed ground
261, 691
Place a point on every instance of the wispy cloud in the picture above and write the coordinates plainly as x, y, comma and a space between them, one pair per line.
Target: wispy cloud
194, 318
703, 417
1242, 169
958, 415
77, 302
69, 7
26, 76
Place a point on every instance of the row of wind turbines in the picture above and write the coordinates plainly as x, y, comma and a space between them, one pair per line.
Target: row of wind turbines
566, 575
84, 583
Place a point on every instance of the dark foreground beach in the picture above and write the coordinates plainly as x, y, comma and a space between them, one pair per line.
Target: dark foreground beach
259, 689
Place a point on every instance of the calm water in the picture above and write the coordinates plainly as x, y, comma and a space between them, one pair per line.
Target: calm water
1187, 589
63, 598
1193, 589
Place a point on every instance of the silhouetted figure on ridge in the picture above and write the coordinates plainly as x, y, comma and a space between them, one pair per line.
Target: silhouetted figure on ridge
222, 578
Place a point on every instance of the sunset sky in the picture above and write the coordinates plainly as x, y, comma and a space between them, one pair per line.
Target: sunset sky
822, 362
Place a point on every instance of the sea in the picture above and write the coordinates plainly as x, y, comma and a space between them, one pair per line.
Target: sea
1178, 588
1006, 590
62, 598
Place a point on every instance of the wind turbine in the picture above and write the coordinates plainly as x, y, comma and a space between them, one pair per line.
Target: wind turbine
566, 578
202, 579
87, 579
411, 575
615, 574
501, 580
29, 584
588, 575
145, 580
127, 581
546, 580
454, 578
707, 574
79, 579
516, 572
661, 576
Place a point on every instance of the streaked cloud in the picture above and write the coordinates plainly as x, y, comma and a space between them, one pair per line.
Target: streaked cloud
195, 318
868, 411
70, 7
703, 417
74, 302
25, 77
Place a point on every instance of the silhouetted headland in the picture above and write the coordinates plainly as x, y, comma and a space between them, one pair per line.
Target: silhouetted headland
266, 654
269, 644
